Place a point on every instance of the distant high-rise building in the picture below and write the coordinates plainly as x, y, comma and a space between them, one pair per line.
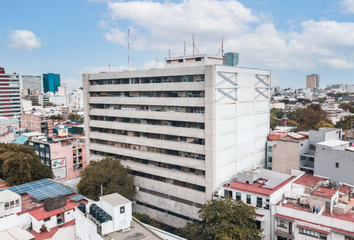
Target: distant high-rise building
33, 83
231, 59
51, 82
10, 94
313, 81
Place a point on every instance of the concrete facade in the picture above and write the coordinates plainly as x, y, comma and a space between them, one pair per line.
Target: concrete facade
313, 81
10, 94
183, 131
33, 83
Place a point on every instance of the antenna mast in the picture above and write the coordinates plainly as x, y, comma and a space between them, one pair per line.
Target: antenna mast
195, 48
128, 47
221, 49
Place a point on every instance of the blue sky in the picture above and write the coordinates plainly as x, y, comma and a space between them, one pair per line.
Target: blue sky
292, 38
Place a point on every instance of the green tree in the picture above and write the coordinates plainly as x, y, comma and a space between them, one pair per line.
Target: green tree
48, 104
57, 117
19, 164
76, 118
347, 106
223, 219
111, 175
322, 124
345, 123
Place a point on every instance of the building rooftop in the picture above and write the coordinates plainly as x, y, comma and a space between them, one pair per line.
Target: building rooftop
309, 180
16, 233
8, 195
258, 188
324, 192
333, 143
345, 188
137, 231
115, 199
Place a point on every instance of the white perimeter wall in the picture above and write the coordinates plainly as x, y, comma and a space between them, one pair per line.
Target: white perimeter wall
242, 126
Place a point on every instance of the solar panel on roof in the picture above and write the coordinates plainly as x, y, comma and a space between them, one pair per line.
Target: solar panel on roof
29, 186
49, 191
77, 197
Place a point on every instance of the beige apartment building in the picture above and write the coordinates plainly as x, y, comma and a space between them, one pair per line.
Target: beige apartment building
313, 81
184, 130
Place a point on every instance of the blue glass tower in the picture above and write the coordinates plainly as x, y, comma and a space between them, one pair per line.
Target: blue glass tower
51, 82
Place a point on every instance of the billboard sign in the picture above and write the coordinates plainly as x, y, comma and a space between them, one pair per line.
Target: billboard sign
57, 163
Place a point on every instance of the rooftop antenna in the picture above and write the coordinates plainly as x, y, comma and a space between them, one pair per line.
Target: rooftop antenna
128, 46
169, 53
221, 50
195, 48
185, 53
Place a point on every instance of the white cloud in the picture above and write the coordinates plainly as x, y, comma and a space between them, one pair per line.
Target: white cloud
163, 26
100, 69
72, 84
347, 6
153, 64
24, 39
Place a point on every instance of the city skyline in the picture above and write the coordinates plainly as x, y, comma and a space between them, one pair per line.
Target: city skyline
301, 38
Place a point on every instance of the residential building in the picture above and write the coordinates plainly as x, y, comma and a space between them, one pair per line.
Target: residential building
334, 158
61, 90
313, 81
76, 96
183, 130
10, 94
51, 82
37, 123
65, 155
32, 83
6, 124
277, 104
297, 206
26, 208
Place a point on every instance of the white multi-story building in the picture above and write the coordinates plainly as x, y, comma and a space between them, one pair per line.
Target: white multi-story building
32, 84
76, 96
183, 130
10, 94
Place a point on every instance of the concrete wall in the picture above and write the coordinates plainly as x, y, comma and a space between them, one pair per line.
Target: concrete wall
325, 164
286, 155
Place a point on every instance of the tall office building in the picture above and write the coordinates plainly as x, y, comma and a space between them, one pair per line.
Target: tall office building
313, 81
183, 131
10, 94
51, 82
32, 84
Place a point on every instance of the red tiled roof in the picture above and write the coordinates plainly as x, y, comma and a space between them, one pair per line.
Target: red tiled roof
309, 180
344, 188
284, 217
257, 188
314, 229
324, 192
41, 214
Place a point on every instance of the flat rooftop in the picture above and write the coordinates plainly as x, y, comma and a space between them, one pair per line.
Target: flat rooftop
333, 143
309, 180
138, 231
115, 199
258, 188
324, 192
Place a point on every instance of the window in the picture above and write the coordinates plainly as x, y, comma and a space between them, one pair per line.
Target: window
168, 61
12, 204
270, 159
282, 223
17, 202
248, 199
228, 193
267, 204
270, 149
258, 223
47, 219
180, 60
337, 165
312, 233
238, 196
259, 202
7, 205
328, 205
121, 210
198, 59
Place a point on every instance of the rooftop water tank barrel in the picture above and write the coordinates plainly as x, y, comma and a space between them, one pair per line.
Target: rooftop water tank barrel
82, 207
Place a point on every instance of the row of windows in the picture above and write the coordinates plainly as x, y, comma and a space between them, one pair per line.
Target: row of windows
238, 197
150, 135
176, 199
150, 149
164, 94
169, 79
166, 211
180, 109
170, 181
12, 204
312, 233
159, 164
150, 122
